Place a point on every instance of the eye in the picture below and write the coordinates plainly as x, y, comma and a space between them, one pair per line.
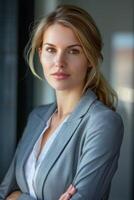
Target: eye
74, 51
50, 49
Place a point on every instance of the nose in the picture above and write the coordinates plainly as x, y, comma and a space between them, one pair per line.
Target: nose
60, 60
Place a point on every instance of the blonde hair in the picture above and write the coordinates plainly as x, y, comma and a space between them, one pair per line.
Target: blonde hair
89, 36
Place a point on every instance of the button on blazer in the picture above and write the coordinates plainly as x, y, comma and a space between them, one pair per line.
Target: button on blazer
85, 153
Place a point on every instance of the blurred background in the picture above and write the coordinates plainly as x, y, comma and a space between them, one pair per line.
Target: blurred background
20, 91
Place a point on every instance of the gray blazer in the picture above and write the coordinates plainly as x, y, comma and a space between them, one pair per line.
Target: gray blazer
85, 153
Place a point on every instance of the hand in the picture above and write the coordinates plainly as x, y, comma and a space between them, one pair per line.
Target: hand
69, 193
14, 195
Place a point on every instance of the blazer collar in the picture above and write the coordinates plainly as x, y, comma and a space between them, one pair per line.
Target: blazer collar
84, 104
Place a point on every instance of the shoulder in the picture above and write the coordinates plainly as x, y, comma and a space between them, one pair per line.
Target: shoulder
35, 119
39, 114
40, 111
105, 126
101, 113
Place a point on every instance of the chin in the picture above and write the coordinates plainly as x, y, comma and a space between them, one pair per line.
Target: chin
59, 86
68, 86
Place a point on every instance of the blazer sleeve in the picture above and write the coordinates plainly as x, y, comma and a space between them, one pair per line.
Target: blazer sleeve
9, 184
99, 157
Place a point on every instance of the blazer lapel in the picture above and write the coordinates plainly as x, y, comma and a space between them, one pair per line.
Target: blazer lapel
52, 155
32, 133
62, 139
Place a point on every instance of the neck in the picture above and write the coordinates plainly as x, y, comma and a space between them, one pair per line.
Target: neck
66, 101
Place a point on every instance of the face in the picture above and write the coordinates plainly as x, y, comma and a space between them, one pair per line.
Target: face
62, 57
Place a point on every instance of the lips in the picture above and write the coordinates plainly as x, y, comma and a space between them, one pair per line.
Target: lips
60, 75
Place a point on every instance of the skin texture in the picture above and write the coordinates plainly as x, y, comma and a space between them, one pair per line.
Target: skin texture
14, 195
70, 191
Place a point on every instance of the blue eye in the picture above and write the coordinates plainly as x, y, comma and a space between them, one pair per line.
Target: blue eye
50, 50
74, 51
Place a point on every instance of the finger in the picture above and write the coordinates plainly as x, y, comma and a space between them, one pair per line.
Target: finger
9, 197
65, 196
62, 197
69, 193
71, 190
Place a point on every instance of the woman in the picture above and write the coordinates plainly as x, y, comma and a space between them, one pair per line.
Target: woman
69, 149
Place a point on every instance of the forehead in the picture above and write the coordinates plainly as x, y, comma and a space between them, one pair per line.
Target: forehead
58, 33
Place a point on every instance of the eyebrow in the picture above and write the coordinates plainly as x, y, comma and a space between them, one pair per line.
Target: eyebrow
70, 46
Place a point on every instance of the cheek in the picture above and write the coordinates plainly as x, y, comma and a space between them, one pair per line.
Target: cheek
46, 62
81, 67
46, 69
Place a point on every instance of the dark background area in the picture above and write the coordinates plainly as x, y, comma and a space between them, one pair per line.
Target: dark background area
24, 76
16, 81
